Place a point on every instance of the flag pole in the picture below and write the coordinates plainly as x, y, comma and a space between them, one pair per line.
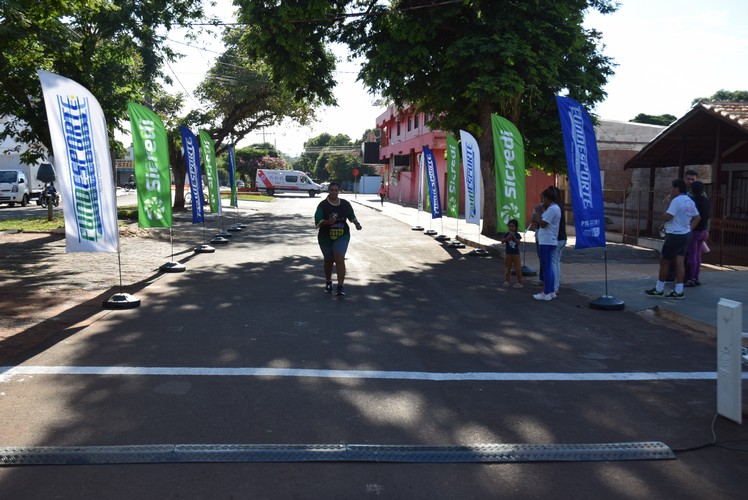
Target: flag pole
480, 251
121, 300
607, 302
442, 237
204, 248
172, 266
457, 243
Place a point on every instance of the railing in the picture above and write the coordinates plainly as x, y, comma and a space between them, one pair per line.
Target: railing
637, 214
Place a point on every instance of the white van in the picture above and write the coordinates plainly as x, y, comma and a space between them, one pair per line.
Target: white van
271, 181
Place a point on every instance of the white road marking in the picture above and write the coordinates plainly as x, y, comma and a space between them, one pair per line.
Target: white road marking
8, 372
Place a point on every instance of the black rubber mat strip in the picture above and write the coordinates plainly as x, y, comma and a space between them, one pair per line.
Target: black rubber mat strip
207, 453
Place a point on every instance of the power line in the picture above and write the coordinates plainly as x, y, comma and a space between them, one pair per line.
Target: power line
339, 17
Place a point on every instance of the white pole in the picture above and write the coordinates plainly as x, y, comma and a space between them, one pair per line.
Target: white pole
729, 369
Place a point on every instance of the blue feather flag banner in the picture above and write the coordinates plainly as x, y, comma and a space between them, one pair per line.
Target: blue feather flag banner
471, 165
584, 173
232, 174
192, 158
433, 180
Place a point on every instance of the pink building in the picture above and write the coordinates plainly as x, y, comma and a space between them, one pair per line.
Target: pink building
403, 134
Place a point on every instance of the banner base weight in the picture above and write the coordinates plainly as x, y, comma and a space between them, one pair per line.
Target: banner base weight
121, 301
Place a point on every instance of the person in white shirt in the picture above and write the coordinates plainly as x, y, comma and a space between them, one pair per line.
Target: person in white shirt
547, 241
680, 218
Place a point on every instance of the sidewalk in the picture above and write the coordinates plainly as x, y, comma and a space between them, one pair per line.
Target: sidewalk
630, 269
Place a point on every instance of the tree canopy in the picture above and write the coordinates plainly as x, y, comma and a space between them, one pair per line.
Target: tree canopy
458, 61
724, 95
241, 94
665, 119
114, 48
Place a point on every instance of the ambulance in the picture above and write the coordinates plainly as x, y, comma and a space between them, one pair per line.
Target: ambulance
272, 181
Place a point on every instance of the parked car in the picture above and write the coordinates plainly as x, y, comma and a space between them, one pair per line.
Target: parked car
324, 187
239, 184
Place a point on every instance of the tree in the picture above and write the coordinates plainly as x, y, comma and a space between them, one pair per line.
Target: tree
653, 119
457, 61
724, 95
114, 48
320, 147
340, 167
242, 94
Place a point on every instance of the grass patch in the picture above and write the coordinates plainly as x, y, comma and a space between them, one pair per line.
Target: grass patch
33, 224
248, 197
127, 213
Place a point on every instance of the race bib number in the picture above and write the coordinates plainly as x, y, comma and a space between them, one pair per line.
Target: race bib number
336, 233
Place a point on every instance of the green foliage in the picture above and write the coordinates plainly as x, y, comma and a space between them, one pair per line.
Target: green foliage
318, 150
340, 166
241, 94
114, 48
654, 119
32, 224
458, 62
282, 33
724, 95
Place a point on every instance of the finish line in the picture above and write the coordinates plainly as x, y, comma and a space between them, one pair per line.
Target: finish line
7, 373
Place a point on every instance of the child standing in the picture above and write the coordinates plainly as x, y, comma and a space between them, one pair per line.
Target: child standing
511, 243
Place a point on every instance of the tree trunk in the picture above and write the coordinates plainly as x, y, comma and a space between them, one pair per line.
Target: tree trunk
179, 169
488, 175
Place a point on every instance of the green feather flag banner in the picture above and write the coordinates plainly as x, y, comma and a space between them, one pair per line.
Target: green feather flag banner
152, 173
509, 154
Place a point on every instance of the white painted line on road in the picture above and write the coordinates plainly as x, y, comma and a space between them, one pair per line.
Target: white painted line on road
8, 372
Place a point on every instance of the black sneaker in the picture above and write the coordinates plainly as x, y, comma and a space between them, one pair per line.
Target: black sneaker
328, 287
654, 293
340, 291
675, 295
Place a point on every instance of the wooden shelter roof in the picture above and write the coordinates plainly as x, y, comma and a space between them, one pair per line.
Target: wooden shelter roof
694, 138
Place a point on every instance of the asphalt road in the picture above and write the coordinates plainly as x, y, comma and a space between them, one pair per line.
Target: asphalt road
384, 365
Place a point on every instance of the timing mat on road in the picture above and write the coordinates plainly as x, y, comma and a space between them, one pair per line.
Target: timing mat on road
8, 372
224, 453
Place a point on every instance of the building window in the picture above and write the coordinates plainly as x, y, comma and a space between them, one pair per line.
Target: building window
410, 123
398, 129
415, 124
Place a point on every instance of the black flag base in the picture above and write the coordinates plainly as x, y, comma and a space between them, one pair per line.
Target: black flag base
224, 234
121, 301
172, 267
479, 252
442, 237
456, 244
429, 232
204, 249
234, 228
528, 271
219, 240
416, 228
607, 303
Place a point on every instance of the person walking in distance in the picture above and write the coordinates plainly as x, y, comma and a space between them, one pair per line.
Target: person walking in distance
331, 218
699, 234
680, 218
382, 193
547, 239
511, 241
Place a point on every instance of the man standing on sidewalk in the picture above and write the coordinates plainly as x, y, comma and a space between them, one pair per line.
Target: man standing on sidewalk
681, 217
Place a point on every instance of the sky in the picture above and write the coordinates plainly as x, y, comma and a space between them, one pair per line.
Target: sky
668, 52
